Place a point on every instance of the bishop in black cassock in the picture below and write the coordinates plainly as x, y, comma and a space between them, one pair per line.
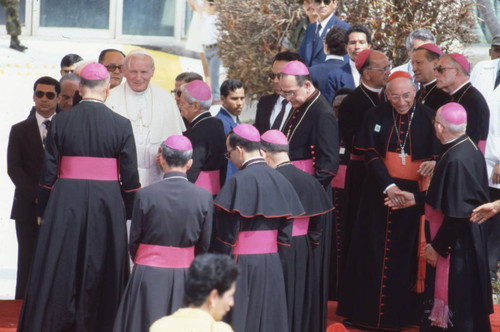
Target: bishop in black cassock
87, 187
171, 223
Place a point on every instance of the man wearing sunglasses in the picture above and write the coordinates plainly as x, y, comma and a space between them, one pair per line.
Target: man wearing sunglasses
311, 48
452, 76
113, 60
24, 162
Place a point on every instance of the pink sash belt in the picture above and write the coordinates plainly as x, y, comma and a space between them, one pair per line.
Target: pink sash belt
89, 168
300, 226
256, 242
339, 179
306, 165
163, 256
209, 180
482, 146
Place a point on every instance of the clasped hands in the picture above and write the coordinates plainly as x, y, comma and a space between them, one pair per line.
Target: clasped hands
399, 199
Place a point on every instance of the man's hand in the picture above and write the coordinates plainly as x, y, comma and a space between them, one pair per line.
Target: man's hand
495, 177
426, 168
431, 255
39, 220
158, 156
401, 199
485, 212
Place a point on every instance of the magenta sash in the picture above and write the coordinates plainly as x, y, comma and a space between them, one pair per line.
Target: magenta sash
482, 146
88, 168
306, 165
256, 242
163, 256
209, 180
339, 179
300, 226
440, 314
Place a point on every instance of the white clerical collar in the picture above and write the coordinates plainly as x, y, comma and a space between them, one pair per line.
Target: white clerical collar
461, 86
427, 84
370, 88
128, 89
355, 73
452, 140
196, 117
40, 119
234, 117
335, 57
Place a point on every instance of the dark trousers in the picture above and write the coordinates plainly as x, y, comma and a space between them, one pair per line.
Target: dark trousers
27, 233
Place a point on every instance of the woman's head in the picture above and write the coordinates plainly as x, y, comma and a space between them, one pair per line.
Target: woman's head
211, 279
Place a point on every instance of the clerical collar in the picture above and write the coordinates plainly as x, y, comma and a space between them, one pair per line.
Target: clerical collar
174, 174
128, 89
93, 100
252, 161
428, 84
196, 117
377, 91
334, 57
285, 163
461, 86
234, 117
452, 140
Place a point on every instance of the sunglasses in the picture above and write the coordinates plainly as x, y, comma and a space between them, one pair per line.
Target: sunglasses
441, 69
50, 95
112, 68
177, 93
272, 76
326, 2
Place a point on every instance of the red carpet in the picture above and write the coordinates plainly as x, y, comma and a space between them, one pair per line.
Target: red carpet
10, 309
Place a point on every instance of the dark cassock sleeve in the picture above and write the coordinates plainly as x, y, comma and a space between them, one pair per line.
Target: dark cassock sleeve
50, 167
206, 230
136, 225
25, 186
326, 148
285, 232
227, 228
316, 225
200, 151
446, 236
129, 176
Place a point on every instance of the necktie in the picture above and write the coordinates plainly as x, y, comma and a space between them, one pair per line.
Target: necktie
238, 120
497, 81
281, 114
317, 34
46, 123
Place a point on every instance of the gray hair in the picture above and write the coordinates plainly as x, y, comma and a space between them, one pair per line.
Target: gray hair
454, 128
421, 34
204, 104
69, 77
175, 158
100, 84
137, 53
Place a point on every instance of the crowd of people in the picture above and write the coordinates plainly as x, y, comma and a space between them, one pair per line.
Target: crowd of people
357, 183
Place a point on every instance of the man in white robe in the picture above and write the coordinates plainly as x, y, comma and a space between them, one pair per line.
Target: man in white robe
151, 109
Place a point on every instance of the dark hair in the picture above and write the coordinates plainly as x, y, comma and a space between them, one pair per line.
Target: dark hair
430, 56
341, 92
334, 40
175, 158
228, 86
70, 59
273, 148
236, 140
206, 273
188, 77
287, 56
69, 77
102, 55
48, 81
359, 29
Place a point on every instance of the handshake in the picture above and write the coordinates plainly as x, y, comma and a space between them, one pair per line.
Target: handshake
399, 199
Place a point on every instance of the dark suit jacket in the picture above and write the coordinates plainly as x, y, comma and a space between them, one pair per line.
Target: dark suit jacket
319, 73
338, 79
264, 110
24, 162
313, 54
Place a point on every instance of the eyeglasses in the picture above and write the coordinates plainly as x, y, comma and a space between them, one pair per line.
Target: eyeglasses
228, 154
406, 97
326, 2
287, 94
50, 95
440, 69
383, 70
177, 93
112, 68
272, 76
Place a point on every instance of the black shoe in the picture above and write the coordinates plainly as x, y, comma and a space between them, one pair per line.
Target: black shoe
16, 45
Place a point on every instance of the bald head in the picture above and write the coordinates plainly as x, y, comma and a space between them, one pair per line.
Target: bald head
376, 70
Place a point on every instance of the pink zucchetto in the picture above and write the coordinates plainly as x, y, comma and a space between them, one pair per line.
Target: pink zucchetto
94, 72
362, 57
274, 136
178, 142
199, 90
400, 74
454, 113
462, 61
247, 132
431, 48
296, 68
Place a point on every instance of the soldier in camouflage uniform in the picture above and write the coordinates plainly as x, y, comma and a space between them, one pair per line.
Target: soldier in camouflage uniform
13, 26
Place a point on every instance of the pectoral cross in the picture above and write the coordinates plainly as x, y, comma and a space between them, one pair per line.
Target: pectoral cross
403, 156
140, 124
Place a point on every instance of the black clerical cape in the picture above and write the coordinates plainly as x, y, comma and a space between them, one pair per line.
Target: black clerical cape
87, 184
478, 113
381, 265
301, 281
432, 97
254, 215
209, 145
458, 185
170, 218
